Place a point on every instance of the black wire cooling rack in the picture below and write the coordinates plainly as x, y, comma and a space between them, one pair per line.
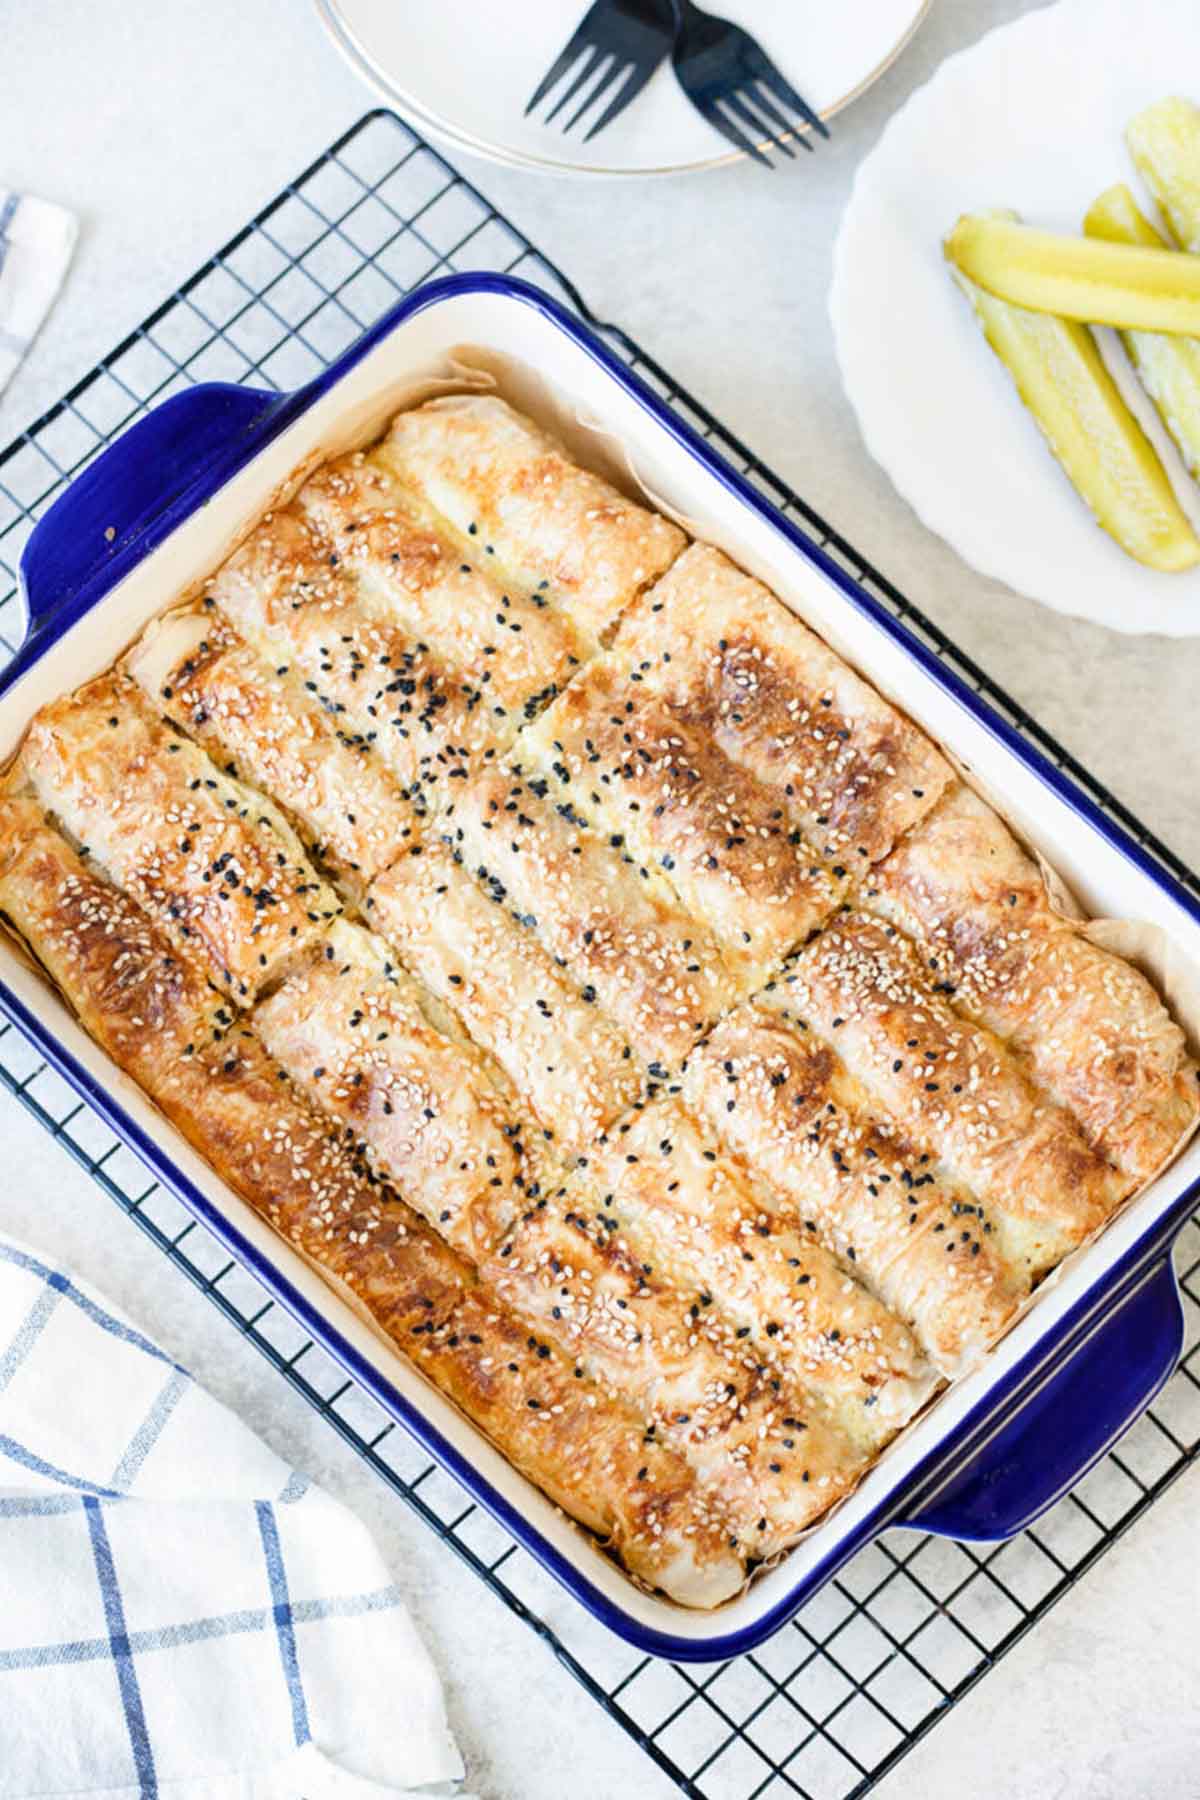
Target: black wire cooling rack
836, 1698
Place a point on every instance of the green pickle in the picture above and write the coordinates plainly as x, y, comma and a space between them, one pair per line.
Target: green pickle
1108, 457
1131, 286
1164, 142
1168, 366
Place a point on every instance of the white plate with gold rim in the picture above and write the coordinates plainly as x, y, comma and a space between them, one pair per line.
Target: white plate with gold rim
1031, 117
463, 70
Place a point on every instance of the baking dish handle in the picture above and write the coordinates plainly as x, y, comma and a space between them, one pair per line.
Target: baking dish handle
136, 491
1066, 1422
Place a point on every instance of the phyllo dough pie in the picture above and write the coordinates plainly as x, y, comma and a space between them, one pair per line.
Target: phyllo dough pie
210, 858
715, 835
729, 658
586, 1446
572, 1067
548, 524
620, 1003
1089, 1028
263, 726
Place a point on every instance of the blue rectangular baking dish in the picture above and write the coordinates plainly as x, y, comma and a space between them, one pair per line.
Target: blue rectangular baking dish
1073, 1375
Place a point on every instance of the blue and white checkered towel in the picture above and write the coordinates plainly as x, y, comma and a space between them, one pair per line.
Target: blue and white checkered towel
179, 1613
36, 243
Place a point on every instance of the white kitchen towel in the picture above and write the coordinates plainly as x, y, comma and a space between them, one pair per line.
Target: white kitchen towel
37, 239
180, 1613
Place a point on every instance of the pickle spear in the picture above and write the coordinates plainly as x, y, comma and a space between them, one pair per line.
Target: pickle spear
1164, 142
1169, 367
1101, 446
1126, 285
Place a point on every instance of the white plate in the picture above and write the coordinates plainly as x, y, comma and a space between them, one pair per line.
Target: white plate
1031, 117
464, 69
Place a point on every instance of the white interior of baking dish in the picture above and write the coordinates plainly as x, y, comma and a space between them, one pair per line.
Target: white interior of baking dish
1107, 884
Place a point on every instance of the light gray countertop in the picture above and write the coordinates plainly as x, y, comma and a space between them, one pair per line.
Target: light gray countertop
165, 127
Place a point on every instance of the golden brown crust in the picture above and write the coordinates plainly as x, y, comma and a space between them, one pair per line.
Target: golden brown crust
629, 766
733, 662
666, 1195
756, 1438
1086, 1025
267, 729
589, 1452
427, 1301
512, 645
213, 862
285, 567
622, 937
954, 1088
547, 523
851, 1177
150, 1009
287, 591
161, 1022
236, 1106
354, 1031
569, 1063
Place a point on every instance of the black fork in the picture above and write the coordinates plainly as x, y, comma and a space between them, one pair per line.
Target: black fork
728, 77
617, 38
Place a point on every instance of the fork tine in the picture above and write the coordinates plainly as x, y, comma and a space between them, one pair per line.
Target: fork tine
737, 104
770, 111
728, 129
614, 69
629, 90
783, 90
587, 69
567, 56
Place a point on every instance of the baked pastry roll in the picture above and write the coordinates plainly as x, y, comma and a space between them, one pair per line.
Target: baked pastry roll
626, 764
287, 591
586, 1448
236, 1107
549, 525
953, 1087
569, 1063
757, 1439
851, 1178
515, 647
735, 663
214, 862
619, 932
671, 1199
268, 729
666, 1527
1085, 1024
151, 1009
589, 1451
163, 1024
373, 1049
145, 1006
